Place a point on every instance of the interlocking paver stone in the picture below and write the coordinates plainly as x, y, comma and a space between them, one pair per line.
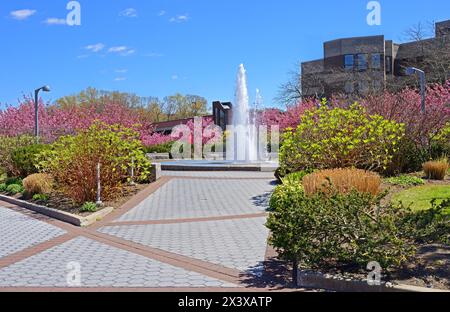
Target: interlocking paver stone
49, 269
195, 198
239, 244
19, 232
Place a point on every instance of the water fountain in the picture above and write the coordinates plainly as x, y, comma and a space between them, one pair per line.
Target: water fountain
244, 147
242, 152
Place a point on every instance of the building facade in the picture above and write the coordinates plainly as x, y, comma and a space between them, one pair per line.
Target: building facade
363, 64
222, 116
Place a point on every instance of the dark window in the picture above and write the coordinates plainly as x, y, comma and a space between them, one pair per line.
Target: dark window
349, 62
222, 122
362, 62
376, 61
388, 64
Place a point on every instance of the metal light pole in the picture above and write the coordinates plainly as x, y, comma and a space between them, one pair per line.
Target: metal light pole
422, 79
36, 109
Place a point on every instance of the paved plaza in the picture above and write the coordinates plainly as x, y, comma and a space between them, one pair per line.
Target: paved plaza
190, 230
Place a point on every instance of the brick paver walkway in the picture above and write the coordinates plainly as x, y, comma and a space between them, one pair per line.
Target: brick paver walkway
201, 231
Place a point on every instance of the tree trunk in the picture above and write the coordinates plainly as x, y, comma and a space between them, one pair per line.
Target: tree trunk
295, 273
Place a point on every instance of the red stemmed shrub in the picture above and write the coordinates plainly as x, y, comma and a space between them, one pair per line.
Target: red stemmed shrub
73, 161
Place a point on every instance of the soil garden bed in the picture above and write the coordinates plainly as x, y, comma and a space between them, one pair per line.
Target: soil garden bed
430, 269
57, 200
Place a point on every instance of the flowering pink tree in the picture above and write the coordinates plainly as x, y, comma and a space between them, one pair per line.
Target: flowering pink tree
206, 123
286, 119
156, 139
405, 107
55, 122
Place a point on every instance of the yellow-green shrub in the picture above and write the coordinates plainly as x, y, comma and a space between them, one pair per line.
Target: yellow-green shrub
340, 138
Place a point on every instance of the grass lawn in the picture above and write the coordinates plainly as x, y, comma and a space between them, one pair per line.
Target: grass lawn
420, 197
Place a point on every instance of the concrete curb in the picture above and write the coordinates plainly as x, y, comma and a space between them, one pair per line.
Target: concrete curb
332, 283
60, 215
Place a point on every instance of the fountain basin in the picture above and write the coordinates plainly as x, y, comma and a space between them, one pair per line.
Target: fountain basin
219, 165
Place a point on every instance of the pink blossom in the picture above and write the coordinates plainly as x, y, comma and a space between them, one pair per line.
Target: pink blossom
55, 122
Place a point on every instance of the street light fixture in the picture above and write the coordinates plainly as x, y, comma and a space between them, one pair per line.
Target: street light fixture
422, 78
36, 109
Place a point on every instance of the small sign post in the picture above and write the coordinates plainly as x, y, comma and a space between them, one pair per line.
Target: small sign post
99, 186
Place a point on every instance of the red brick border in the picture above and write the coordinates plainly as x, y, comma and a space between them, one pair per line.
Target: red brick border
34, 250
190, 264
176, 221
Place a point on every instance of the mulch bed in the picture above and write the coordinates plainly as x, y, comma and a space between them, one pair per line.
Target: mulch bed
57, 200
430, 269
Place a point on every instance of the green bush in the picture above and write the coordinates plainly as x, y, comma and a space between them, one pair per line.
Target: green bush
41, 197
3, 187
13, 180
160, 148
441, 143
290, 191
14, 189
409, 158
25, 159
405, 180
7, 146
296, 176
340, 138
431, 225
89, 207
72, 161
322, 230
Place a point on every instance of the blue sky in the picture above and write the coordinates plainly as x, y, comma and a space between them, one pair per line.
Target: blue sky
157, 48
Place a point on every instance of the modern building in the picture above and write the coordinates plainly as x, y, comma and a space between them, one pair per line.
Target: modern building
361, 64
221, 116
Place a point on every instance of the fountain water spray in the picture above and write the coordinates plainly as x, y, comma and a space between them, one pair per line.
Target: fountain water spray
246, 140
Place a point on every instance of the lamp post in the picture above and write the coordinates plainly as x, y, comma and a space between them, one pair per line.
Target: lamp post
36, 109
422, 79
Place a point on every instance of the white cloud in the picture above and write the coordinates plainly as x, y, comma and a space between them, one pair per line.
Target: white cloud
55, 21
154, 54
122, 50
179, 18
95, 47
162, 13
120, 79
128, 52
22, 14
130, 12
